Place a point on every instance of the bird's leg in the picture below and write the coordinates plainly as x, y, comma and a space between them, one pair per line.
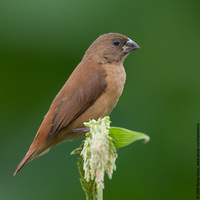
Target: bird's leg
81, 130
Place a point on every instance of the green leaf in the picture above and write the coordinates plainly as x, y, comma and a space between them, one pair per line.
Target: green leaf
124, 137
78, 150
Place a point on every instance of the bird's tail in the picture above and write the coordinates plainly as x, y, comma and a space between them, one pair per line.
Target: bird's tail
28, 157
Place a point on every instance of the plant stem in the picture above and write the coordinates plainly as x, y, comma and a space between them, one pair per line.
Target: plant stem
100, 193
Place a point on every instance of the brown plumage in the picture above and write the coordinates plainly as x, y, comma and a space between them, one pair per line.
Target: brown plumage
91, 92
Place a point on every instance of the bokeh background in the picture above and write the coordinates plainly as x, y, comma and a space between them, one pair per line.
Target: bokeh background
41, 42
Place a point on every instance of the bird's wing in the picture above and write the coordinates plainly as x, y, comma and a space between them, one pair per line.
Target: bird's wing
78, 96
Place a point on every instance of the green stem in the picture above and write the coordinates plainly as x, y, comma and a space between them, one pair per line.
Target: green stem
100, 193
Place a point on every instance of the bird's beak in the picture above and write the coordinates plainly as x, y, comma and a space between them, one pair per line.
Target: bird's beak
130, 46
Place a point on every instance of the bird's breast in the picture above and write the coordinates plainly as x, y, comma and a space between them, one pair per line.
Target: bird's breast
115, 79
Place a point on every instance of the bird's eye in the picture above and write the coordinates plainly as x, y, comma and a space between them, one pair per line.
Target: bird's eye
116, 42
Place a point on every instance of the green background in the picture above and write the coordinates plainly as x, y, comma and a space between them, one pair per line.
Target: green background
41, 42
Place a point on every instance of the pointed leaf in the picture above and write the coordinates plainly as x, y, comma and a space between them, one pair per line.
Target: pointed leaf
124, 137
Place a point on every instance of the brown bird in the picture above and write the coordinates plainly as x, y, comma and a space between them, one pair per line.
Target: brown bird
91, 92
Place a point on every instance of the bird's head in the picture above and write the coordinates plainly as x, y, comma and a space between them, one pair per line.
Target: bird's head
109, 48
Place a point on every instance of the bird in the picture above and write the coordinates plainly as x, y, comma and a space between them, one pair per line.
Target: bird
91, 92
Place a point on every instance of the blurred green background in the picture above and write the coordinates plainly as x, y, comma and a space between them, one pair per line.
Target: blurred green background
41, 42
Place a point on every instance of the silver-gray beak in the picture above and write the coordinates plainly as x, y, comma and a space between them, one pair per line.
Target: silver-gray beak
130, 46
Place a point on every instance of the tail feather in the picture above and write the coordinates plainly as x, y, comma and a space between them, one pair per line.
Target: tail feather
24, 161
